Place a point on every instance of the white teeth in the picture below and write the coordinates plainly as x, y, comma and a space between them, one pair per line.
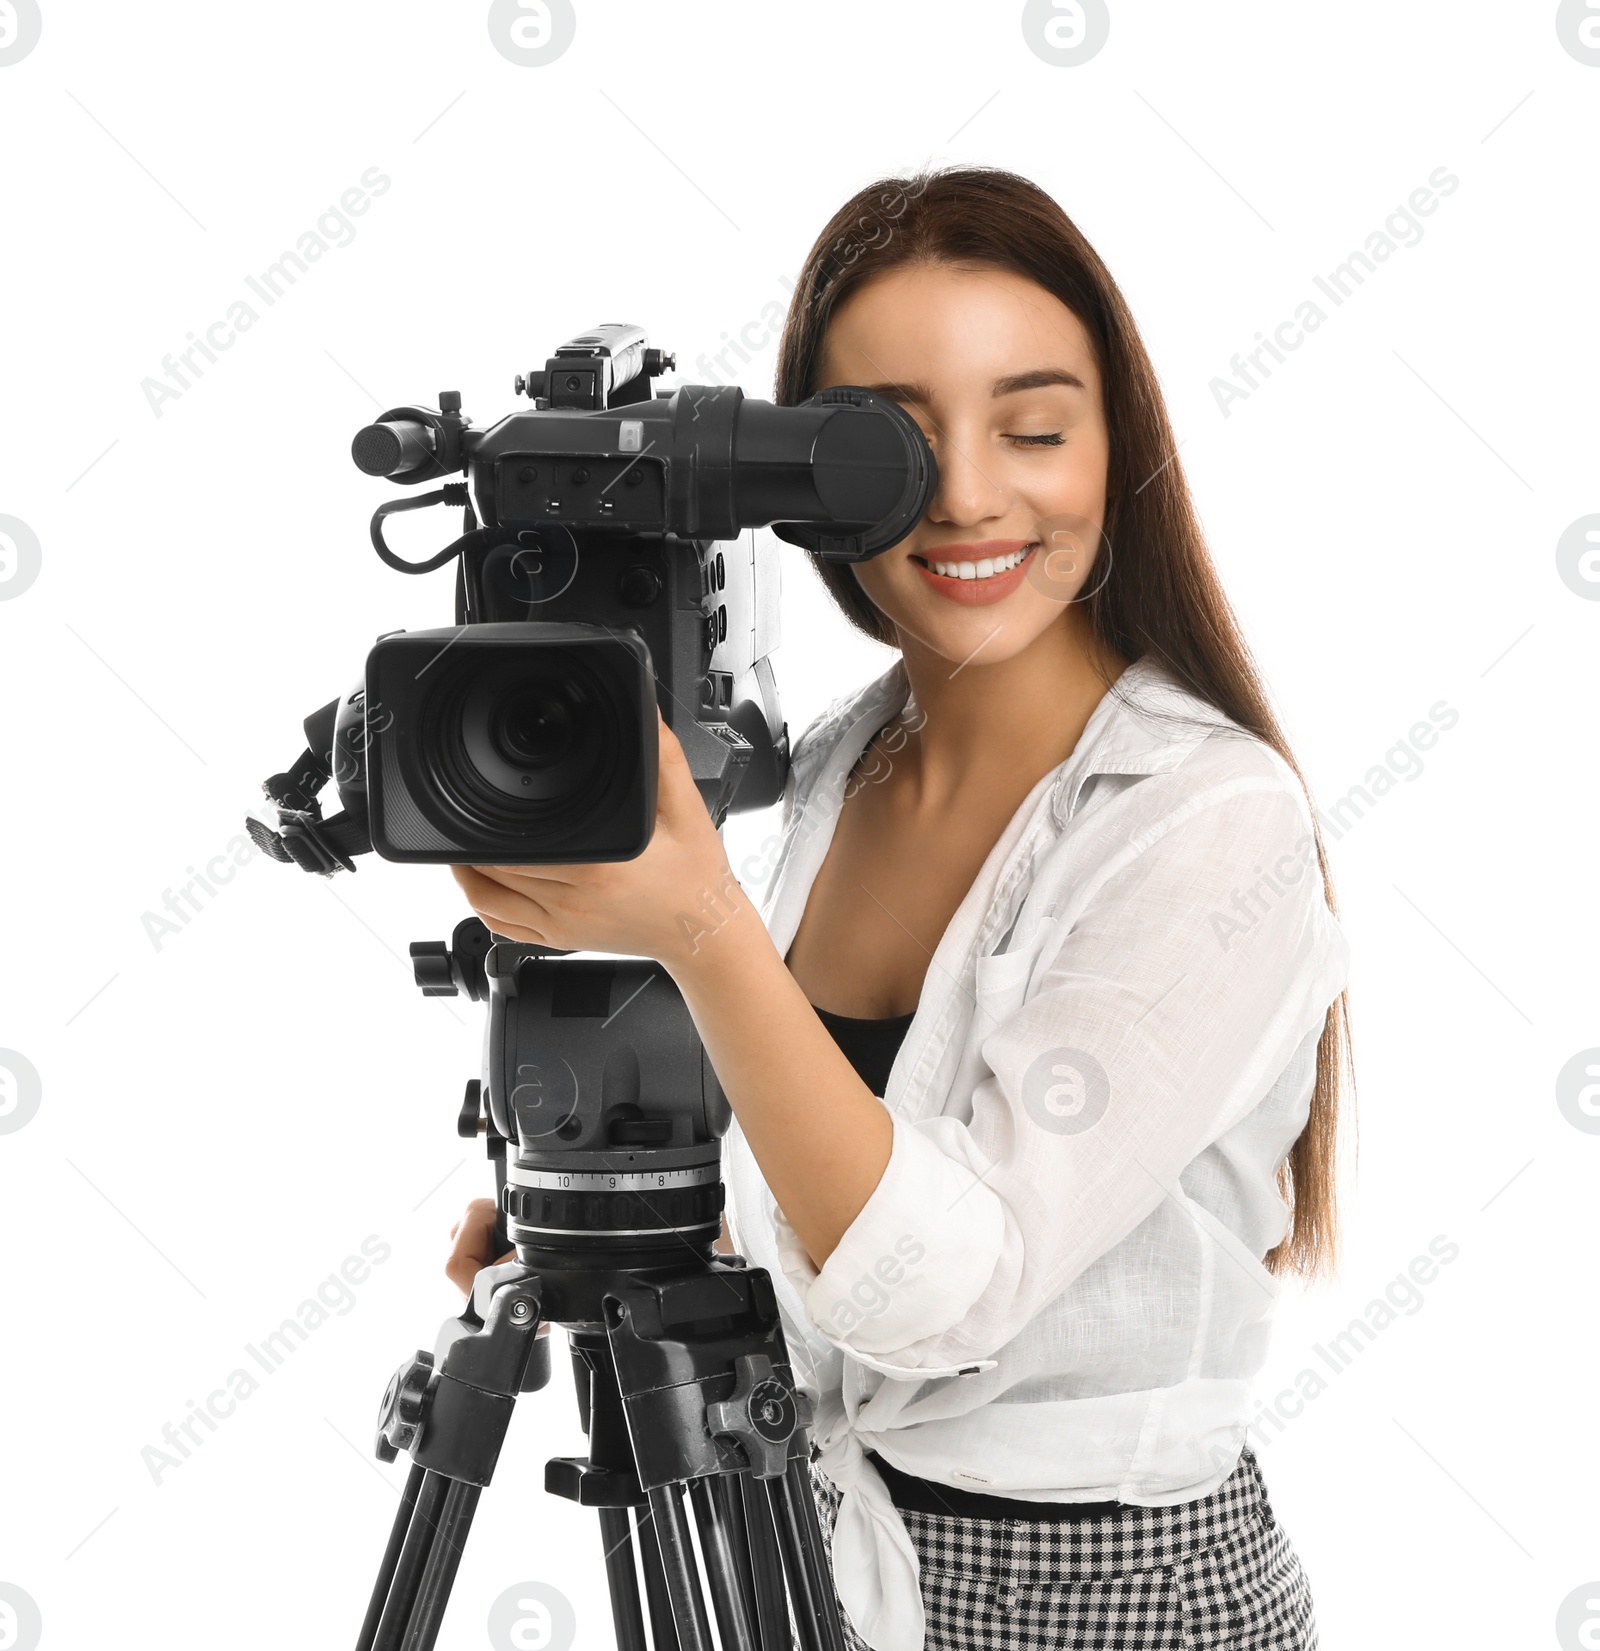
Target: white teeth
985, 568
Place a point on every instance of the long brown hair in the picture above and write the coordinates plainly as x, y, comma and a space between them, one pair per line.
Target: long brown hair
1161, 595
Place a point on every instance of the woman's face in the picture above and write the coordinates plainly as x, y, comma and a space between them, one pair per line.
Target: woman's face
1000, 376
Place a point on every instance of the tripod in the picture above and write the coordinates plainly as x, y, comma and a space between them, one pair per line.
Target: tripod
612, 1199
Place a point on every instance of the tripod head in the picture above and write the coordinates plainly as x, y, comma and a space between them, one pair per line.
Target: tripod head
599, 1105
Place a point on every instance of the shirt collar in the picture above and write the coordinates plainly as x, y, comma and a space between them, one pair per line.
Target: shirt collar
1146, 723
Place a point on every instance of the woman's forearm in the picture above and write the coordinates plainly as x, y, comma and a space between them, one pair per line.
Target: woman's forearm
819, 1135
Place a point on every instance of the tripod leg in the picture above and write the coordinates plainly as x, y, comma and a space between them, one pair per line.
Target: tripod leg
460, 1503
804, 1502
677, 1561
413, 1555
663, 1634
724, 1568
617, 1536
391, 1556
756, 1563
805, 1604
810, 1587
766, 1568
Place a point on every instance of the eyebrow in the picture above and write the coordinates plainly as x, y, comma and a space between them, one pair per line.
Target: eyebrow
1037, 379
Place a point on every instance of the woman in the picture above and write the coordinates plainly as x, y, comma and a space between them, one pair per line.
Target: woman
1034, 1046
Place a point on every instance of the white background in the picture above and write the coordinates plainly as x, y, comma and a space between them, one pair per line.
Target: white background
225, 1118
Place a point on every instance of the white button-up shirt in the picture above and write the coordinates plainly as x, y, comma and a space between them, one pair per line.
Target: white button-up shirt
1055, 1291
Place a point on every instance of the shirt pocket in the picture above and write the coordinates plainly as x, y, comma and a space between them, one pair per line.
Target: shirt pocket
1000, 985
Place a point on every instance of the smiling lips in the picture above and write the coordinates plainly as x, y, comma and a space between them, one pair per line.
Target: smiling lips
976, 574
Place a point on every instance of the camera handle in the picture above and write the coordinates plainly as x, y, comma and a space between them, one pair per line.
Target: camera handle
453, 494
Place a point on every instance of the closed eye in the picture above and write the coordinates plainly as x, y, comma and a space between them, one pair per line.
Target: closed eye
1053, 439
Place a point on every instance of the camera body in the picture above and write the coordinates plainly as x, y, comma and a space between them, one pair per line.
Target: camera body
519, 740
617, 570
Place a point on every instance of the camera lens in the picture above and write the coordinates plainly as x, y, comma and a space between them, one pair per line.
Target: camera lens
533, 727
530, 745
532, 731
513, 743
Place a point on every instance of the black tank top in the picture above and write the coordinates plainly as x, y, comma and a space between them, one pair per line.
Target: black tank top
871, 1046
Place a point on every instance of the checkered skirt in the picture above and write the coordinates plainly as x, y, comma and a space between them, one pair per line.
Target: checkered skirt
1217, 1572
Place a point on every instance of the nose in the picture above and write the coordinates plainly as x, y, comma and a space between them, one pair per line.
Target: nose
968, 493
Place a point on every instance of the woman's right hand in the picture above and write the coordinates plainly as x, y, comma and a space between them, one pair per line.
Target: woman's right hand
474, 1245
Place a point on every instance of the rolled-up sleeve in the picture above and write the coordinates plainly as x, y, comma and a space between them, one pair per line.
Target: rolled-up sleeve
874, 1296
1164, 1004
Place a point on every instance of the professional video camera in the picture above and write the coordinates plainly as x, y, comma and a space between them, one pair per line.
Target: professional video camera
616, 570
